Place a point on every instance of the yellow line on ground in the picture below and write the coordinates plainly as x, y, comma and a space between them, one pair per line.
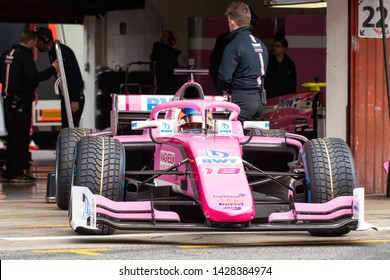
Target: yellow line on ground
44, 226
85, 251
297, 243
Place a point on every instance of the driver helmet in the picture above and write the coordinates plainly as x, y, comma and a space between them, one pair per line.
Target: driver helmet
190, 120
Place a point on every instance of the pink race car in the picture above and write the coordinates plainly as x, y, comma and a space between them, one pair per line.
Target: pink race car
301, 113
193, 165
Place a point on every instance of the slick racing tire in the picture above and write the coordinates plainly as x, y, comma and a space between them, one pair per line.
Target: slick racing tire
66, 141
100, 166
331, 173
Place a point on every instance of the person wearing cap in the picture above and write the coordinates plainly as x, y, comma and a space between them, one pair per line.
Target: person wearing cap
281, 76
74, 78
243, 65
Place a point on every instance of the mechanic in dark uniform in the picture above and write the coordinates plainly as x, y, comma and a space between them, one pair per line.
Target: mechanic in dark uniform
20, 78
244, 63
164, 57
73, 75
281, 77
219, 47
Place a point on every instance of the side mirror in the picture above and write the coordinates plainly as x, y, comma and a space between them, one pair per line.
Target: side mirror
139, 125
257, 125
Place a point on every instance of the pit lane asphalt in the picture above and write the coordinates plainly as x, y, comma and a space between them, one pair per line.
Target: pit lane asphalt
33, 229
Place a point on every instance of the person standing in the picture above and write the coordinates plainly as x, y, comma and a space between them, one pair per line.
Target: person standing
281, 77
20, 78
219, 47
164, 59
244, 63
74, 78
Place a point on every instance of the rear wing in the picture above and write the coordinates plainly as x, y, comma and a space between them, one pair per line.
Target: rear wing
128, 108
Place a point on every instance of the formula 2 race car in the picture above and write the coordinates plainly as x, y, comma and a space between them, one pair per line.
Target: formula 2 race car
195, 166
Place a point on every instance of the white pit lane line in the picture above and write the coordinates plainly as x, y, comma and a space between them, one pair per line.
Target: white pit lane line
162, 234
114, 236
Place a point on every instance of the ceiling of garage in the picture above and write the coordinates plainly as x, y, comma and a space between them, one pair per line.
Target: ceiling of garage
61, 11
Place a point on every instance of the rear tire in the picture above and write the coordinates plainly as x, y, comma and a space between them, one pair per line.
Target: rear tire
100, 166
66, 141
331, 173
271, 133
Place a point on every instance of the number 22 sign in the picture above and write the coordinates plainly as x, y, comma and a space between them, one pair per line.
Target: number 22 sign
370, 23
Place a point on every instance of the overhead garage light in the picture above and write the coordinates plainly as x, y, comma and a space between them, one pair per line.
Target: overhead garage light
303, 4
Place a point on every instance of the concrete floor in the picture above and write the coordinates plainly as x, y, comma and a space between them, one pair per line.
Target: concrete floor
43, 162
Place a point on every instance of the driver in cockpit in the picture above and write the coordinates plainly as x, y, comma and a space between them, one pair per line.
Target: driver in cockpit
190, 121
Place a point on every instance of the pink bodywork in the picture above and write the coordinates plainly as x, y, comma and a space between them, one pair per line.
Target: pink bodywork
290, 112
340, 206
218, 180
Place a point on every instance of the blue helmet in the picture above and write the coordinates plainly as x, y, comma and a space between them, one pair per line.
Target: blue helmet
189, 120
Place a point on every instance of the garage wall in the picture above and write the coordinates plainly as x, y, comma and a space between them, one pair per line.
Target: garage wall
370, 134
143, 27
337, 69
121, 37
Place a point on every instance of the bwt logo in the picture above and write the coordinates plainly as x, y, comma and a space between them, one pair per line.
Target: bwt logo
216, 154
153, 101
134, 125
166, 126
225, 128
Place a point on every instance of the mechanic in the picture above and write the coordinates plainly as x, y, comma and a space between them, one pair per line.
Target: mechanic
244, 63
281, 77
20, 78
164, 59
73, 75
219, 47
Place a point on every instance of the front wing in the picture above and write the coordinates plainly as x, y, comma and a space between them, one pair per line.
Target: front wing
89, 211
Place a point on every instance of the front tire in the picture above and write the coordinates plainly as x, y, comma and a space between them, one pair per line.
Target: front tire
100, 166
66, 141
330, 173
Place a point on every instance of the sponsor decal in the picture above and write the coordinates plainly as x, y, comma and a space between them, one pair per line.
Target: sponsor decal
224, 128
216, 154
152, 102
166, 128
297, 103
300, 121
230, 202
87, 214
232, 208
218, 157
230, 160
167, 157
258, 48
224, 196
